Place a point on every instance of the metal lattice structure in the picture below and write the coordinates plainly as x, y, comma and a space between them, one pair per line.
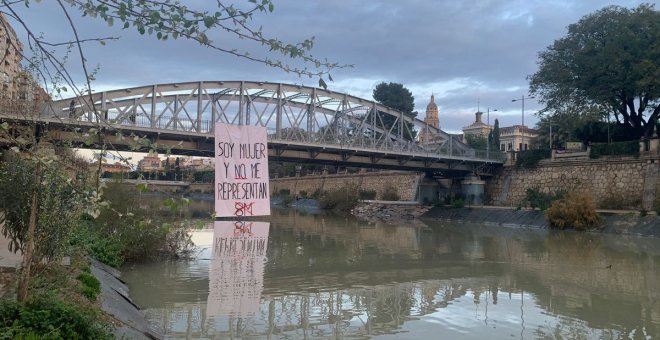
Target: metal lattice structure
303, 119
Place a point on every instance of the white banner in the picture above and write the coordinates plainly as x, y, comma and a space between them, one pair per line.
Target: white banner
236, 275
241, 171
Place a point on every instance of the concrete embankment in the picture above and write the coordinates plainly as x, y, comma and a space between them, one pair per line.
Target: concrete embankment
629, 223
115, 301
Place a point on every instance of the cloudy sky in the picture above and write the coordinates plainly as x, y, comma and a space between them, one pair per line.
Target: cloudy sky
469, 53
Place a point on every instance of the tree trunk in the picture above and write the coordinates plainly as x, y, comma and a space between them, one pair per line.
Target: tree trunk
24, 281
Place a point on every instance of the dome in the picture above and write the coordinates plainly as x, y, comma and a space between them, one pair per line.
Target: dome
432, 106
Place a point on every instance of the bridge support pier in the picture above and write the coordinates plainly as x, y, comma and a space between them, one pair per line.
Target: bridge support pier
433, 189
472, 189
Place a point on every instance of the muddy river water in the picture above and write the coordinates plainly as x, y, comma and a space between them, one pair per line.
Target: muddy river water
310, 276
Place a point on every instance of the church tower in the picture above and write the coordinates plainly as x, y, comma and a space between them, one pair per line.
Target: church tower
432, 120
432, 114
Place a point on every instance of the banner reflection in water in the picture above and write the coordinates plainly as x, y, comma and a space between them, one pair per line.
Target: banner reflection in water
236, 271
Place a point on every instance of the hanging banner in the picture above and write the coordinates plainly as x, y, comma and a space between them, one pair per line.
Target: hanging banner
241, 171
236, 273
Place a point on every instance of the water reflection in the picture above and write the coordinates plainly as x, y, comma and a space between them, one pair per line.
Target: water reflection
236, 270
336, 277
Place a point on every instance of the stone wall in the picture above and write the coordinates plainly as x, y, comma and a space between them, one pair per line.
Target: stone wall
617, 183
405, 183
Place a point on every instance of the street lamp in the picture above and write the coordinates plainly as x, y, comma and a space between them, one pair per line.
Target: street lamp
522, 128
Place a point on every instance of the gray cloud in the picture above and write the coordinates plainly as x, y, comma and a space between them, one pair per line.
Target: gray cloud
466, 52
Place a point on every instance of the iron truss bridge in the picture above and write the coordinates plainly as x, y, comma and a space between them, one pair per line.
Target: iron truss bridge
305, 124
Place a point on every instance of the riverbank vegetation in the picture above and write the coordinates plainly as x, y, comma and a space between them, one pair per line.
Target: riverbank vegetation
62, 305
126, 230
576, 210
52, 210
341, 199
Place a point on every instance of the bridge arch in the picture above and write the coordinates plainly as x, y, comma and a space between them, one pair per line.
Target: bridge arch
291, 112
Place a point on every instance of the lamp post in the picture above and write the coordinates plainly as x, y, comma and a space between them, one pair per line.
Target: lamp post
550, 123
490, 131
522, 128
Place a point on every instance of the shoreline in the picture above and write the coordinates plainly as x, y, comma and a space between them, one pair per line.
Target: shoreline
614, 222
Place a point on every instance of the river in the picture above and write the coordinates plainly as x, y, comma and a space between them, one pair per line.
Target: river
310, 276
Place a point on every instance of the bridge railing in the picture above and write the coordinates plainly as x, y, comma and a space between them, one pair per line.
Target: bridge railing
344, 141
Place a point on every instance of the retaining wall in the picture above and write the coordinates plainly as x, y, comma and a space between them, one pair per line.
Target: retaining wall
405, 183
615, 183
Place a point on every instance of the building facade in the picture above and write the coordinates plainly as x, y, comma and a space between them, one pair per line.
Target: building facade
17, 86
516, 138
11, 50
150, 163
117, 167
478, 127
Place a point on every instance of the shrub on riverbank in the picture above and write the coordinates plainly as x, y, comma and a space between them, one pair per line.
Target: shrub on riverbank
390, 194
367, 194
576, 210
126, 231
61, 201
342, 199
537, 199
49, 318
62, 305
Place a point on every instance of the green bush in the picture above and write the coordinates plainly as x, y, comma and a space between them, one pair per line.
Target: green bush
390, 194
541, 200
529, 159
91, 285
61, 203
302, 194
106, 249
367, 194
618, 201
286, 199
457, 202
342, 199
316, 194
630, 148
47, 318
576, 210
284, 192
140, 233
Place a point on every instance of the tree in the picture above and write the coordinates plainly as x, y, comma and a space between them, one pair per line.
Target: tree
564, 124
41, 204
608, 62
494, 136
396, 96
169, 19
165, 19
476, 141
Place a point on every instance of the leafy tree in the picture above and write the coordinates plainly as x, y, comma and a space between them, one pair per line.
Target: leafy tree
494, 136
41, 205
165, 19
585, 126
608, 62
396, 96
565, 123
476, 141
170, 19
